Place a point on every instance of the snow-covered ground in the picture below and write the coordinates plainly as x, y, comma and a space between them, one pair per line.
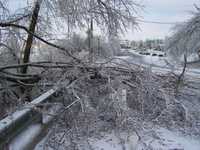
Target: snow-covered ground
174, 140
163, 139
150, 137
153, 139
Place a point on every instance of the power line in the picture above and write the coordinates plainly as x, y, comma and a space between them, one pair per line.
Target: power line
158, 22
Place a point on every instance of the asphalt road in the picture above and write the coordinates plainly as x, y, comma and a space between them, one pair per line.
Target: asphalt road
161, 64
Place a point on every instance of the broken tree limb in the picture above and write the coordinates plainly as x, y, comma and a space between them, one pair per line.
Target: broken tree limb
4, 24
18, 79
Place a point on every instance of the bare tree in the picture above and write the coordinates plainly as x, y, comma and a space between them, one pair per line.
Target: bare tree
33, 23
29, 41
115, 15
111, 16
186, 37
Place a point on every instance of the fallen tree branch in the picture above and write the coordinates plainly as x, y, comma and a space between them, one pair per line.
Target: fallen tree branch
36, 64
63, 65
10, 24
20, 79
20, 18
19, 74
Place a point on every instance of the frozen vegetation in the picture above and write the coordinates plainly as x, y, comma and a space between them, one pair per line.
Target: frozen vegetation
96, 93
151, 118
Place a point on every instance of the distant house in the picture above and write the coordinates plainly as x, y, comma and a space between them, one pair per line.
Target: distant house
155, 44
125, 44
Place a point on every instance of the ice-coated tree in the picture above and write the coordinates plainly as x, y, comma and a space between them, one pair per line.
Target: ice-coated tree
112, 16
186, 37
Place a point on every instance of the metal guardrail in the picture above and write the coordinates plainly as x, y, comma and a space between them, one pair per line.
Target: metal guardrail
13, 124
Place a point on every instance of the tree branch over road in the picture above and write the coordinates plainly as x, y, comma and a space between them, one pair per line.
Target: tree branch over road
8, 24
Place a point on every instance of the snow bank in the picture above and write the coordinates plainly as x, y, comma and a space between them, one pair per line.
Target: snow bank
169, 140
153, 60
161, 139
115, 142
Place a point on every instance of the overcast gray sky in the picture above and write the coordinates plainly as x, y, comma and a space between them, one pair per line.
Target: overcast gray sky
155, 10
162, 11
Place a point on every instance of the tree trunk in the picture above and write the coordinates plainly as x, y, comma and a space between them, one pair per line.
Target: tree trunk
90, 42
29, 41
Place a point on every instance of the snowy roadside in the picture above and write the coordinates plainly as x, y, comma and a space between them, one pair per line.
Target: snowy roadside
158, 65
157, 138
151, 136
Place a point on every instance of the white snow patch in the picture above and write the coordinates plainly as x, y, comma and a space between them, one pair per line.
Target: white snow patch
154, 60
169, 140
115, 142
